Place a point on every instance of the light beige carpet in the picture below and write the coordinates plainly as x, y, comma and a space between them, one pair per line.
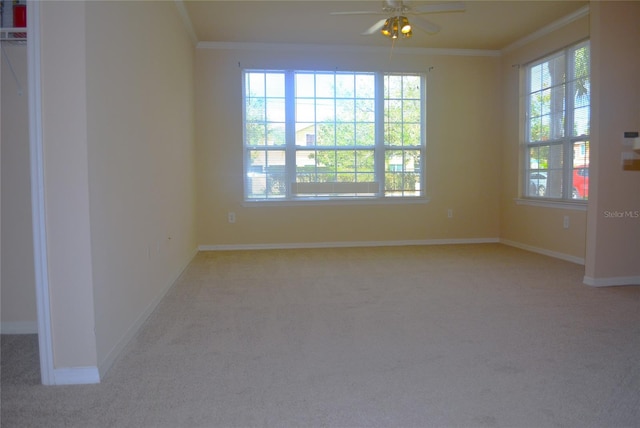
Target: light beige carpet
433, 336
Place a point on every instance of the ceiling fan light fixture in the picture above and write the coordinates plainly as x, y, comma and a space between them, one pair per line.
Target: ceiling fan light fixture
394, 28
386, 29
397, 26
405, 27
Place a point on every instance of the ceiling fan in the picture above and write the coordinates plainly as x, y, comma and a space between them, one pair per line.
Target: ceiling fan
397, 23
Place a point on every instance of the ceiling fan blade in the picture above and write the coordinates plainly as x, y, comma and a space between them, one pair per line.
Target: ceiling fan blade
375, 27
358, 12
425, 25
440, 7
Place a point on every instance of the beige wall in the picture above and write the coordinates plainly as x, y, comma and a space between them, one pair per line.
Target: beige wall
119, 105
64, 140
18, 281
613, 243
117, 89
140, 101
462, 167
540, 228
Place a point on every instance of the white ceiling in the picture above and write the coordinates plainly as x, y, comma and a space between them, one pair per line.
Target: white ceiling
491, 25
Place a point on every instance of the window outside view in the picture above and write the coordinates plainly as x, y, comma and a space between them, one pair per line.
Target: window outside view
312, 135
558, 125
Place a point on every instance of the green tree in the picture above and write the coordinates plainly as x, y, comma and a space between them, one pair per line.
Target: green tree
354, 125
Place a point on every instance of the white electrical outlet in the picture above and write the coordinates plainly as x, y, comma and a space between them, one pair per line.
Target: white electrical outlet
629, 138
231, 216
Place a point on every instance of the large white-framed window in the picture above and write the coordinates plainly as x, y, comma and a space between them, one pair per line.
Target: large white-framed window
333, 135
557, 125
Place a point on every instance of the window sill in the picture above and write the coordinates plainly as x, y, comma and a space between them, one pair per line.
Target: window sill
329, 202
548, 203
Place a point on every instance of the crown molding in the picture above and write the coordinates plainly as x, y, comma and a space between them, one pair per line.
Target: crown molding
582, 12
343, 49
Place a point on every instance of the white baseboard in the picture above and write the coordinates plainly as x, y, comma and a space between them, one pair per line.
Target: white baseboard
611, 281
76, 375
298, 245
543, 251
19, 327
111, 357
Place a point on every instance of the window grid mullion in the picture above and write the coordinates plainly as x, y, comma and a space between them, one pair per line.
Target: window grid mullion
404, 153
355, 135
527, 133
245, 145
290, 131
423, 135
335, 107
335, 126
569, 122
379, 153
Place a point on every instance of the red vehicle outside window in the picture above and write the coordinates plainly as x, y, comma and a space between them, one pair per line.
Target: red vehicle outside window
580, 183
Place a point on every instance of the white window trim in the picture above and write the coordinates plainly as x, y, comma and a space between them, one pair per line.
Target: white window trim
565, 202
335, 201
379, 150
552, 203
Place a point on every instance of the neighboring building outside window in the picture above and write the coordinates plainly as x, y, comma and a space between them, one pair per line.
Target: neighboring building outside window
557, 125
324, 135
